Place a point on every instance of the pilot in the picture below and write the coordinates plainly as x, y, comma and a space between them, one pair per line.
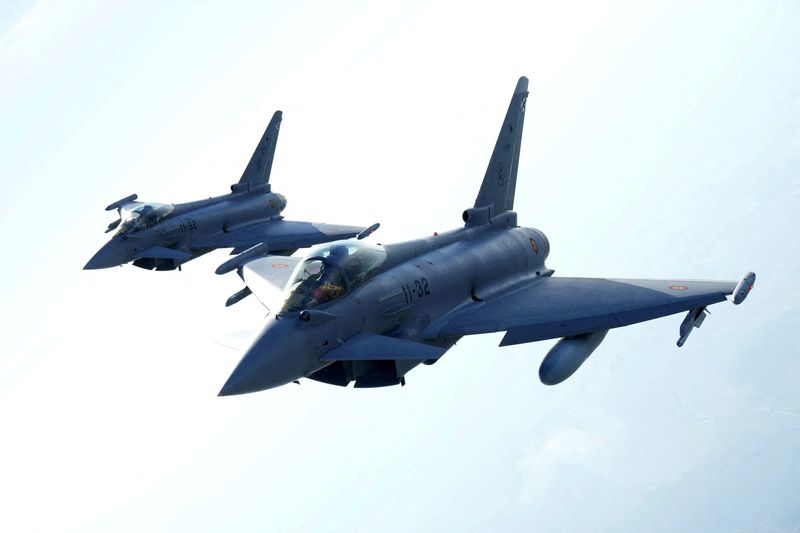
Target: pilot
313, 273
330, 285
355, 266
149, 216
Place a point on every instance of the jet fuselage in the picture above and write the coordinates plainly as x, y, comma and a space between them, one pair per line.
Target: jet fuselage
359, 312
420, 281
182, 235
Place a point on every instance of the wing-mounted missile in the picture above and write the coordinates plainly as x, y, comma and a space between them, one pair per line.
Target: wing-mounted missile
120, 203
118, 206
259, 250
694, 319
251, 254
113, 225
238, 296
369, 231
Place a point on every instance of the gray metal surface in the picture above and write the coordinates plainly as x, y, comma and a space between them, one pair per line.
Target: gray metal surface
353, 312
165, 236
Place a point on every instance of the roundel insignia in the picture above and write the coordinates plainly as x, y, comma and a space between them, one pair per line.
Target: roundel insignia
279, 265
534, 246
678, 287
272, 203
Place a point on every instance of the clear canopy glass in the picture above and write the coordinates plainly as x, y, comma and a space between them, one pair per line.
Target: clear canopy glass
142, 216
331, 271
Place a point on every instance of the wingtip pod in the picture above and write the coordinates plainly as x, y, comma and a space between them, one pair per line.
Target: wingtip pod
744, 287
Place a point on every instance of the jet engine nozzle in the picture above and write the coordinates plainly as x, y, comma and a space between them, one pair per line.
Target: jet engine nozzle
568, 355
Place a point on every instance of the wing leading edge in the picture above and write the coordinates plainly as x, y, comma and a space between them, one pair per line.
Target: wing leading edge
282, 234
554, 307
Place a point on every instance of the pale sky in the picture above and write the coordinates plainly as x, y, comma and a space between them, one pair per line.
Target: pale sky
662, 140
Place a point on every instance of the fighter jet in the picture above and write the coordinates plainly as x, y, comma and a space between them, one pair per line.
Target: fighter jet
165, 236
358, 312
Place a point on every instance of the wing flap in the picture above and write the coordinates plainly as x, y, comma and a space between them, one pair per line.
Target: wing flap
558, 307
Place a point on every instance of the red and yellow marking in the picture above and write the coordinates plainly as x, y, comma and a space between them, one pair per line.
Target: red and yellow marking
678, 287
279, 265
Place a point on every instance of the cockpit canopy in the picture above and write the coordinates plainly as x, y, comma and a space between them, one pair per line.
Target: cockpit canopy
141, 216
331, 271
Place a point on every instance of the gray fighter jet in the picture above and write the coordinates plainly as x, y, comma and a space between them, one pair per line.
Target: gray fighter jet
353, 311
164, 236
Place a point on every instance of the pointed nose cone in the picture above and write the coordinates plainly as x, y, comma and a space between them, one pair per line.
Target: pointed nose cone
113, 253
278, 356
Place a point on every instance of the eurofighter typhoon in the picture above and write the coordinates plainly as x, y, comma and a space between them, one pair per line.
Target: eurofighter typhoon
365, 313
165, 236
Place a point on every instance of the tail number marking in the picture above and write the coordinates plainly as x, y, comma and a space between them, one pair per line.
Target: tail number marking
419, 288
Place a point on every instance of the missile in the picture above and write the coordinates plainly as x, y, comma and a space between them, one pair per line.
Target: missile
248, 255
120, 203
367, 232
694, 318
113, 225
568, 355
238, 296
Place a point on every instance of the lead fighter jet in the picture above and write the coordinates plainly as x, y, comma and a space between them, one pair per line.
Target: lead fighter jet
353, 311
164, 236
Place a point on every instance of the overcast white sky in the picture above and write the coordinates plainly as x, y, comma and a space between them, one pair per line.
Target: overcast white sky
661, 141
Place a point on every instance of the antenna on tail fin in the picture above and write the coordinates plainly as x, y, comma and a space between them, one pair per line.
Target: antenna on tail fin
497, 190
256, 175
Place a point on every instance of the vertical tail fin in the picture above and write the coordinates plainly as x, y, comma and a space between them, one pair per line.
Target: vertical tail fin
500, 181
258, 169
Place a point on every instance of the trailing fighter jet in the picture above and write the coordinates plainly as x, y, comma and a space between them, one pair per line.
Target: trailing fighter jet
164, 236
353, 311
